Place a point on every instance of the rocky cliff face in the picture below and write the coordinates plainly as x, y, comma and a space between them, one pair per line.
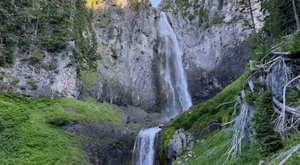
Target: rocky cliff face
213, 41
211, 34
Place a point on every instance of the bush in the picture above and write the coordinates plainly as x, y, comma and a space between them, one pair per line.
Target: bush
268, 139
11, 115
293, 97
37, 56
114, 54
258, 46
59, 121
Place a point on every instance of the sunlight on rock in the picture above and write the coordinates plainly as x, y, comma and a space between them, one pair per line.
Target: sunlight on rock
99, 4
95, 4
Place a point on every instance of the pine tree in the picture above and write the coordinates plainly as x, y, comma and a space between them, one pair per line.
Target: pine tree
281, 20
268, 139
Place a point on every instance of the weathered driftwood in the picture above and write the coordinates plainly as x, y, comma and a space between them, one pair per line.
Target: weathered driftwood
284, 157
229, 102
281, 53
293, 111
281, 123
241, 130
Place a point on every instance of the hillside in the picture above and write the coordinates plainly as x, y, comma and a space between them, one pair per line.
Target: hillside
143, 82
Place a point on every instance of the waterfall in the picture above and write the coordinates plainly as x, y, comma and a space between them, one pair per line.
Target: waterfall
174, 90
144, 146
173, 80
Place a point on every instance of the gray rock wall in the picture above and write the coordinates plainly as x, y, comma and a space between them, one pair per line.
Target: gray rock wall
214, 51
214, 54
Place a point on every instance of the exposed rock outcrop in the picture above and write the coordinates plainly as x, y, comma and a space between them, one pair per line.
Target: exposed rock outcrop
181, 141
105, 143
32, 80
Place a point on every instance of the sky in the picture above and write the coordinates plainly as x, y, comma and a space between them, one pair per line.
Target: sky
155, 3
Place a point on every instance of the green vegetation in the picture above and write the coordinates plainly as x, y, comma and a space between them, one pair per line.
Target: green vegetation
216, 18
200, 12
293, 97
135, 3
85, 52
111, 32
267, 138
293, 44
281, 22
211, 150
208, 109
90, 78
258, 46
203, 17
114, 54
36, 26
37, 56
30, 130
200, 115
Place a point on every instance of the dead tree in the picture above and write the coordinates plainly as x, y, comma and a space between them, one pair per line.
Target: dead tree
252, 17
295, 14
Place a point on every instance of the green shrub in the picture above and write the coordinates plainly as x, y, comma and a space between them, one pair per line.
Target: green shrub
90, 78
268, 139
257, 46
37, 56
281, 20
59, 121
216, 18
135, 3
114, 54
197, 118
33, 84
293, 44
12, 115
111, 32
293, 97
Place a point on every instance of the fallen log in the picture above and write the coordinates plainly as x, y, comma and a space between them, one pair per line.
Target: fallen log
294, 111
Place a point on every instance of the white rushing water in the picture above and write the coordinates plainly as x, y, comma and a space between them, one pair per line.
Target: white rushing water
144, 146
171, 71
175, 89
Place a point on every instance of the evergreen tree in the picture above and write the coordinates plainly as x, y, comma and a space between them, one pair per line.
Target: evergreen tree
268, 139
281, 20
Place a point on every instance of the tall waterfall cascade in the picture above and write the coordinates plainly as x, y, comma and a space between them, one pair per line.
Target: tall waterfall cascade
174, 82
174, 87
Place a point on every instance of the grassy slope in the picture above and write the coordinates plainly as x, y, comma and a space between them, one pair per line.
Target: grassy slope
26, 137
212, 148
197, 118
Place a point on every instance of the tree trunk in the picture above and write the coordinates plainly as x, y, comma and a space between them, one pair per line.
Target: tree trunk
252, 17
296, 15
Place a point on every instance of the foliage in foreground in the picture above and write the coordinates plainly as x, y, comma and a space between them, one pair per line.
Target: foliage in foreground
211, 149
267, 138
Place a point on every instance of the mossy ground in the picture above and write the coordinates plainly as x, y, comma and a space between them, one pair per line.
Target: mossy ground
30, 133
